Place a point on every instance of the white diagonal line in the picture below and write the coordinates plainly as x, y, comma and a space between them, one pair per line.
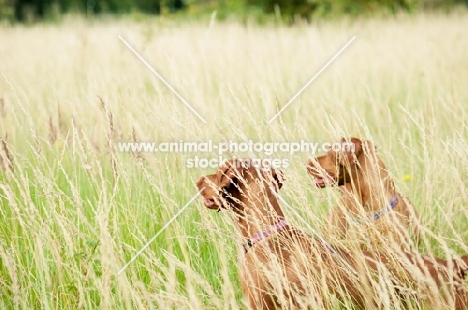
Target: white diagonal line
318, 236
159, 232
311, 80
162, 79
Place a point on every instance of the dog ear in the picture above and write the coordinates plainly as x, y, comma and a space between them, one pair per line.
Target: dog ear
226, 175
278, 176
351, 149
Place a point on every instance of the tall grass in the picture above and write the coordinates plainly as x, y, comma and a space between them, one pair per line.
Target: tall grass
74, 210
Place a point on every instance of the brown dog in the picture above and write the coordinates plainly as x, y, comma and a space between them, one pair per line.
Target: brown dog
370, 208
282, 267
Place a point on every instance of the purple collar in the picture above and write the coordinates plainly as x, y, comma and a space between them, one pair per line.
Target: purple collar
264, 234
374, 217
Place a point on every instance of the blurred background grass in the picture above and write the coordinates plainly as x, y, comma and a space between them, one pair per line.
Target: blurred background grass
29, 11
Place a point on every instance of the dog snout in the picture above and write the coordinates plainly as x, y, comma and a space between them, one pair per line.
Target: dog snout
312, 166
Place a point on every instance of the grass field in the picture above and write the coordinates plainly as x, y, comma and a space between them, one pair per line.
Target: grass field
75, 209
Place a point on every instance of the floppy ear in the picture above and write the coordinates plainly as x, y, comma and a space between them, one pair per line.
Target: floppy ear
350, 150
226, 175
278, 176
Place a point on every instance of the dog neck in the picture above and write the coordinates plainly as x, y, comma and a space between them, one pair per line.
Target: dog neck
255, 209
372, 185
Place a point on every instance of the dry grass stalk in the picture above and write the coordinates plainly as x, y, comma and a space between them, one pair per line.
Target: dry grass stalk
52, 131
110, 139
6, 159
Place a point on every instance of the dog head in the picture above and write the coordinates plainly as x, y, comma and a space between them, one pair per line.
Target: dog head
233, 181
336, 167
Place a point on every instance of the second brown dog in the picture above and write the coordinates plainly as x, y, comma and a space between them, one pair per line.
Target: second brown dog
370, 209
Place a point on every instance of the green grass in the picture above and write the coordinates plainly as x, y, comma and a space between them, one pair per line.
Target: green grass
75, 210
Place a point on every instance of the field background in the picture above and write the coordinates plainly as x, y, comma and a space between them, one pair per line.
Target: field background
75, 210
